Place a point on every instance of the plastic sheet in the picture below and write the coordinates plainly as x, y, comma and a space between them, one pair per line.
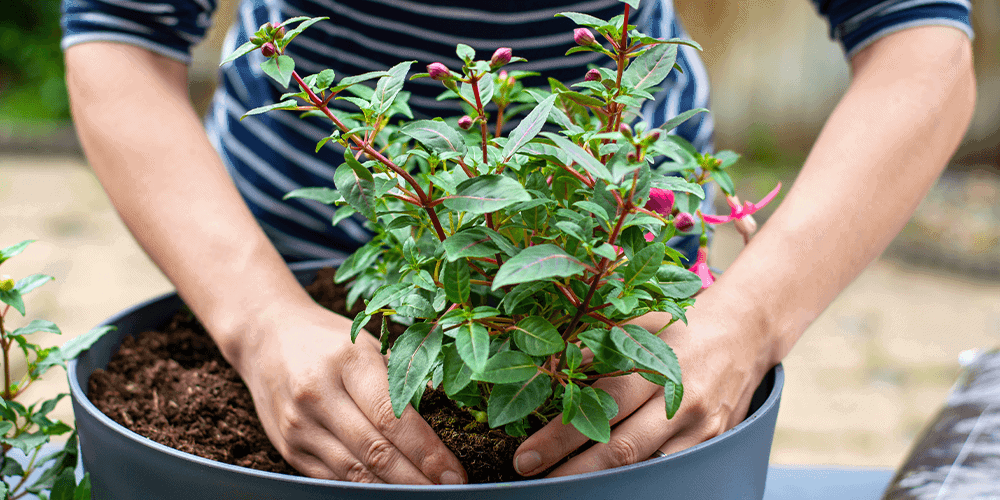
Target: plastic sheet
958, 457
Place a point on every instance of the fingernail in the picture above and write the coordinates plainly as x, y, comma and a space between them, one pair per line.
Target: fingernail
451, 477
527, 462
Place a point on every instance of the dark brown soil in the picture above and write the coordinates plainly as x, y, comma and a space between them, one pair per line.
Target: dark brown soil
174, 387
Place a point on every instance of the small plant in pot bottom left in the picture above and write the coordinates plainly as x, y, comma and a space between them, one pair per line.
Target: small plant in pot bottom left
28, 428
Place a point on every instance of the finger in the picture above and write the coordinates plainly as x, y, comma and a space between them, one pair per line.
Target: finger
410, 433
554, 441
318, 454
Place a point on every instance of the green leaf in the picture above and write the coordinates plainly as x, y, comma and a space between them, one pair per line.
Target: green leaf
13, 298
289, 104
469, 243
511, 402
677, 282
240, 51
13, 250
574, 356
485, 194
583, 19
410, 362
673, 393
457, 374
681, 118
320, 194
580, 156
473, 343
537, 337
724, 181
633, 3
38, 325
651, 67
389, 86
352, 80
385, 295
644, 264
436, 136
289, 36
29, 283
570, 402
537, 263
358, 168
324, 79
414, 305
674, 183
279, 68
83, 489
358, 261
455, 278
359, 322
607, 402
647, 350
465, 52
357, 191
583, 99
528, 128
591, 420
64, 487
507, 367
604, 349
519, 294
26, 442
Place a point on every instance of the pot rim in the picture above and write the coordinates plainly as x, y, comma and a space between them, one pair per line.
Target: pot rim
80, 397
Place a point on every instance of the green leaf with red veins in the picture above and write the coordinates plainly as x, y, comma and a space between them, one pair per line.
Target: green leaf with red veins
528, 128
457, 374
673, 393
651, 67
357, 191
537, 337
386, 295
647, 350
351, 80
580, 156
591, 420
436, 136
469, 243
485, 91
537, 263
389, 86
410, 361
455, 278
570, 402
473, 343
507, 367
512, 402
279, 68
486, 194
582, 99
644, 264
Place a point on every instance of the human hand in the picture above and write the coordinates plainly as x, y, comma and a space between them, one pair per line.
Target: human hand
324, 404
722, 367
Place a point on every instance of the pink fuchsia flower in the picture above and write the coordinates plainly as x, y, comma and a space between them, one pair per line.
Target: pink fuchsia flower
465, 122
700, 268
592, 76
661, 201
268, 49
438, 71
500, 57
738, 212
684, 221
583, 36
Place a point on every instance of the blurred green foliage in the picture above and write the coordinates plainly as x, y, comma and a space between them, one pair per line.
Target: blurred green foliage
32, 80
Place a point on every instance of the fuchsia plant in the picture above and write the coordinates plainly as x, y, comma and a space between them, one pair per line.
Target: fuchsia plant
510, 253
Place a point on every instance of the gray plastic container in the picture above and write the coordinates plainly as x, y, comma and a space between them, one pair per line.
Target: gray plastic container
125, 466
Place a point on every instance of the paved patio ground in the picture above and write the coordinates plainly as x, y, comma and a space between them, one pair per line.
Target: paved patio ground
861, 383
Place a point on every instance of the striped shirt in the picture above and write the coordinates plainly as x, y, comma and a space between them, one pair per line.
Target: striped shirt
272, 154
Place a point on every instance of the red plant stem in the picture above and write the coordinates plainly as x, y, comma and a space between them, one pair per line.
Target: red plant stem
621, 53
588, 182
499, 126
568, 294
600, 317
424, 199
474, 81
5, 344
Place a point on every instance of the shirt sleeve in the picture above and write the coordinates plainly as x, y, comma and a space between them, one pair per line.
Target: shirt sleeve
858, 24
167, 27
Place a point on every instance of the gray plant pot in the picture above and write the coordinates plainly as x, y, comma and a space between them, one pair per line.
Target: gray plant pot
124, 465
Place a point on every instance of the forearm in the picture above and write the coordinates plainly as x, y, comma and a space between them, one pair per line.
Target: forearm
908, 106
150, 152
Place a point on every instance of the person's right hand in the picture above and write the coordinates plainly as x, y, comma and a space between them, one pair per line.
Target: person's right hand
324, 403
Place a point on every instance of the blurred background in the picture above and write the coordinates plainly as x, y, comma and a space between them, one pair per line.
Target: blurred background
862, 382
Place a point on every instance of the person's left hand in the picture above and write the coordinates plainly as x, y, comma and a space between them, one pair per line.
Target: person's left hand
722, 363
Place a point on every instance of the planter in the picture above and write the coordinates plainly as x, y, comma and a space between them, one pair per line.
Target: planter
124, 465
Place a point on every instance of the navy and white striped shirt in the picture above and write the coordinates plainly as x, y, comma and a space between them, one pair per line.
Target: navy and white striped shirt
272, 154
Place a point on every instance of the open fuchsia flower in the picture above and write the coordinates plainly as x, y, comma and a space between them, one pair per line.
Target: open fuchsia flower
700, 268
738, 212
661, 201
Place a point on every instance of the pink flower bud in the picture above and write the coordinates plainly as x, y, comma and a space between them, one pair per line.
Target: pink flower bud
654, 135
268, 49
465, 122
632, 157
684, 222
661, 201
279, 33
592, 76
625, 130
500, 57
583, 36
438, 71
